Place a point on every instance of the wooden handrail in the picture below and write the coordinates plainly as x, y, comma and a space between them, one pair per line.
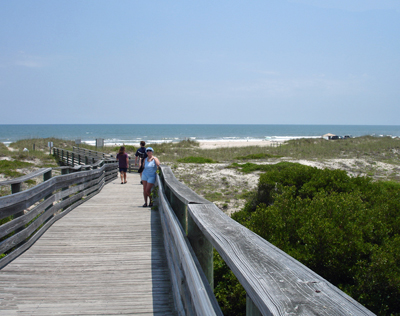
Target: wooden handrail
26, 177
192, 293
47, 204
85, 158
275, 283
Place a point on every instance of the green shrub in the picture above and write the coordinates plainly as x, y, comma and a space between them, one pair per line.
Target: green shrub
346, 229
192, 159
256, 156
230, 294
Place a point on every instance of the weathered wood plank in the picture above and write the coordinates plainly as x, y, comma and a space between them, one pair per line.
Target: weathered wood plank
12, 204
102, 258
23, 234
277, 283
26, 177
21, 221
200, 300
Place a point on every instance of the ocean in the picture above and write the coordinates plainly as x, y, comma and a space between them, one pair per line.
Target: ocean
117, 134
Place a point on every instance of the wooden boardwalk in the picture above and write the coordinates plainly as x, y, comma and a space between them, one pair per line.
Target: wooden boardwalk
105, 257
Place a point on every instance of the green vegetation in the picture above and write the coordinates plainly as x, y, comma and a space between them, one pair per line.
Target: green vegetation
41, 154
374, 148
256, 156
346, 229
3, 150
249, 167
41, 144
230, 294
191, 159
8, 168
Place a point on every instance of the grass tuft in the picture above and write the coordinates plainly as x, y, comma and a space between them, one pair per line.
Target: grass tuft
192, 159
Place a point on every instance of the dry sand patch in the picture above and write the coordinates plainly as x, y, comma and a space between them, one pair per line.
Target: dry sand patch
226, 184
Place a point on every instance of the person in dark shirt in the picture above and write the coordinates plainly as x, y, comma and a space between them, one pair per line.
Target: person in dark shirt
140, 157
123, 163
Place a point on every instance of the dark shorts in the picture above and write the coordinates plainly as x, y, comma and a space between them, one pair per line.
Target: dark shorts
123, 169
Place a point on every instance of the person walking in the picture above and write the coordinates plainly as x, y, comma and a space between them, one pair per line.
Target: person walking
151, 163
140, 155
123, 163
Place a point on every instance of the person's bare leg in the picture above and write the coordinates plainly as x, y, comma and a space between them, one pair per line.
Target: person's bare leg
144, 192
148, 191
124, 177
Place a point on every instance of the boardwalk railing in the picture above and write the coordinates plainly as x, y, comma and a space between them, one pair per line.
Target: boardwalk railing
36, 209
81, 156
275, 283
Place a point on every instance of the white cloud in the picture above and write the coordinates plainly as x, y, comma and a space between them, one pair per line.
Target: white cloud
26, 60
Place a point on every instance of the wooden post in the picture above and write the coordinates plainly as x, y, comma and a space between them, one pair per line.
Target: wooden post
72, 159
65, 171
179, 208
47, 175
15, 188
251, 308
202, 248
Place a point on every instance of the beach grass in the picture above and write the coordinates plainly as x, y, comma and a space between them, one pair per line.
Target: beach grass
192, 159
9, 168
41, 144
384, 149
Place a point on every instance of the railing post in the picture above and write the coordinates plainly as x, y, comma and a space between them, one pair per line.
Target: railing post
179, 208
72, 159
15, 188
47, 175
202, 248
251, 308
67, 158
65, 171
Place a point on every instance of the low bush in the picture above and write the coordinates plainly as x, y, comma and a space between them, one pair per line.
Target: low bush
192, 159
346, 229
230, 294
256, 156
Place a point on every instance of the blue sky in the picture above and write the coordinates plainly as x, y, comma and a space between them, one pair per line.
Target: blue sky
222, 62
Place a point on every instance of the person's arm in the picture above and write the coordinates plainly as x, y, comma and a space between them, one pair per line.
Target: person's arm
127, 161
157, 162
136, 157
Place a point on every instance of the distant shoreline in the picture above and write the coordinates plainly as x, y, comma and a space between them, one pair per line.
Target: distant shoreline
115, 134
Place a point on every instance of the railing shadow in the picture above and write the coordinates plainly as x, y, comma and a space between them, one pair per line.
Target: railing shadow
163, 302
